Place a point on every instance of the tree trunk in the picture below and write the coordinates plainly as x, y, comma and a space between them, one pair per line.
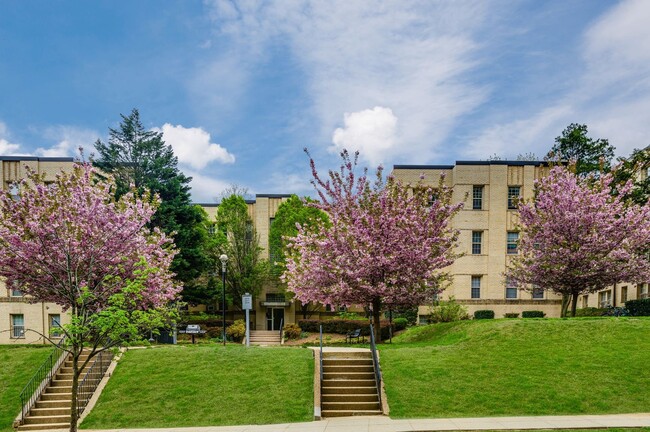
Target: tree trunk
376, 318
75, 388
574, 304
565, 305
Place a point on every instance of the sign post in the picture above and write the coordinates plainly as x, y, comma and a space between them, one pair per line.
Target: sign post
247, 305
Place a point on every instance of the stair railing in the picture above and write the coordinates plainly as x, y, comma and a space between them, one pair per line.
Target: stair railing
321, 358
92, 378
40, 380
375, 362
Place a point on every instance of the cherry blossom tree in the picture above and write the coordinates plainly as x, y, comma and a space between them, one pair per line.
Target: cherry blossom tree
71, 243
578, 238
386, 243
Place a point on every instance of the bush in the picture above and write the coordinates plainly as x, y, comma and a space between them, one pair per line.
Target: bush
639, 307
400, 323
589, 312
533, 314
448, 311
237, 331
292, 331
511, 315
484, 314
411, 315
339, 326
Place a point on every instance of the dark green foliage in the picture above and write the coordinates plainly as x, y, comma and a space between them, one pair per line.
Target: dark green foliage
589, 312
638, 307
134, 155
635, 168
511, 315
292, 331
533, 314
484, 314
400, 323
342, 326
448, 311
574, 144
410, 314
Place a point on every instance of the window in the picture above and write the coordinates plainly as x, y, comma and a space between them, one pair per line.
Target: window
513, 238
477, 198
55, 325
477, 239
511, 289
17, 326
642, 291
585, 301
249, 231
15, 290
623, 294
513, 196
212, 229
538, 293
14, 191
605, 298
476, 287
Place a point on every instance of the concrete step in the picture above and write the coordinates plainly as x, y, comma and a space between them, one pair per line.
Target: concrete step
338, 397
349, 383
348, 376
48, 412
346, 354
63, 403
61, 383
349, 390
348, 368
44, 426
59, 389
351, 406
30, 420
347, 362
56, 396
349, 413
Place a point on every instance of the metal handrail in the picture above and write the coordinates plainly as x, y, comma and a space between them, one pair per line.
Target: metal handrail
375, 361
281, 327
321, 357
92, 378
43, 376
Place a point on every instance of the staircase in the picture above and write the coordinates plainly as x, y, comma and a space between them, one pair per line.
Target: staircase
52, 409
349, 387
265, 337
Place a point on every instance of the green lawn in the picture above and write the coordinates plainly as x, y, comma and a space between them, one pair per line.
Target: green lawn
207, 386
519, 367
17, 365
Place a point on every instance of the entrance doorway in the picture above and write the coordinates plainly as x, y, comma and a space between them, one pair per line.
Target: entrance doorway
274, 318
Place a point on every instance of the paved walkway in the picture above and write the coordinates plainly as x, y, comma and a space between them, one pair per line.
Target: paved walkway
385, 424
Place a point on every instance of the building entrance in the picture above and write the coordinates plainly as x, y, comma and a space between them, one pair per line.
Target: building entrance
274, 318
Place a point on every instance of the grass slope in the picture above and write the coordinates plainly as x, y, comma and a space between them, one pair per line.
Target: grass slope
206, 386
519, 367
18, 364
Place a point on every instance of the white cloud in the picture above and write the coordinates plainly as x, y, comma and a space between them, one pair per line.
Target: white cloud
411, 57
206, 189
372, 132
68, 141
192, 146
7, 148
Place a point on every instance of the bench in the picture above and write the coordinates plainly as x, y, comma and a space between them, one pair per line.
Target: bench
354, 334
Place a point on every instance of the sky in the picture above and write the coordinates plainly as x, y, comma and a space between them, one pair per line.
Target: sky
240, 88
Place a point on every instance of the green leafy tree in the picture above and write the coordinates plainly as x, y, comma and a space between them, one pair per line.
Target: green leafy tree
292, 213
635, 168
139, 157
237, 238
591, 155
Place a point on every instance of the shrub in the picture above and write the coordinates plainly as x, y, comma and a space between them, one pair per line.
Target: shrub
411, 315
533, 314
400, 323
339, 326
345, 315
511, 315
639, 307
484, 314
292, 331
589, 312
237, 331
448, 311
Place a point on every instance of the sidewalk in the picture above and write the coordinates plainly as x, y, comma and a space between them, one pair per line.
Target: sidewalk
385, 424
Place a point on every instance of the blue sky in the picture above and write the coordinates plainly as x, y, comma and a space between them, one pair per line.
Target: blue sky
240, 88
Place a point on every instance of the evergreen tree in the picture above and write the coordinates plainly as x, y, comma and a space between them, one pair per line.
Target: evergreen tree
588, 153
134, 155
635, 168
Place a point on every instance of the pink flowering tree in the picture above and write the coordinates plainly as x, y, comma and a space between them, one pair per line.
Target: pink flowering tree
71, 243
387, 243
578, 238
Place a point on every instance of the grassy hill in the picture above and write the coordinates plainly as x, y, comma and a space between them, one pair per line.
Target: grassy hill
206, 386
519, 367
18, 364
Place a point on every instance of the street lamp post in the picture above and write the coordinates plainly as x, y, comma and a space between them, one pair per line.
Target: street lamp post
224, 260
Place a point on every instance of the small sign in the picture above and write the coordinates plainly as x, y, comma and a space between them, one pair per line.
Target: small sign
247, 301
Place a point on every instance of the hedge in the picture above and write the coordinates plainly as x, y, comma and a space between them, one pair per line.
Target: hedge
533, 314
484, 314
639, 307
590, 312
340, 326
